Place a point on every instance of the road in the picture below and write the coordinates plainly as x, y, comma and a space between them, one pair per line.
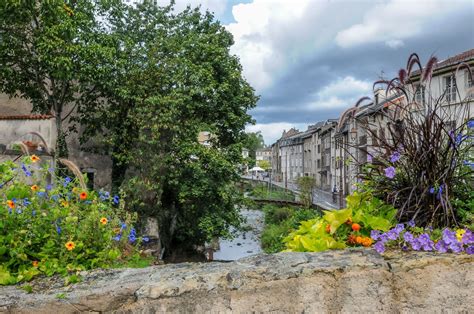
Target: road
321, 198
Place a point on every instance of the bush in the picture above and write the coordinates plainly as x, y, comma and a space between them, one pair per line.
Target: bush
60, 227
276, 215
272, 237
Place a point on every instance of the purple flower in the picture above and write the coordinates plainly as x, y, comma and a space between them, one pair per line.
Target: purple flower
470, 124
369, 158
390, 172
468, 237
426, 242
104, 195
116, 199
416, 244
67, 180
441, 246
408, 237
375, 234
392, 234
395, 157
379, 247
399, 228
456, 247
383, 237
117, 237
432, 190
411, 223
449, 236
470, 250
49, 187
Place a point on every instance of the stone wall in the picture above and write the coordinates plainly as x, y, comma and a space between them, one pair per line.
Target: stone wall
331, 282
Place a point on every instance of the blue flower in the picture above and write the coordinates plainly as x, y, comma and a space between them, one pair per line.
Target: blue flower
375, 234
26, 202
123, 226
117, 237
426, 242
432, 190
67, 180
470, 250
411, 223
41, 194
470, 124
49, 187
416, 244
408, 237
18, 211
33, 213
441, 246
116, 199
58, 229
146, 239
399, 228
25, 170
55, 197
449, 236
104, 195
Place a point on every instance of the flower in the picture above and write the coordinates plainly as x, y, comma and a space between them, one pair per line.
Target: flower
459, 234
470, 124
41, 194
83, 195
456, 247
65, 203
25, 170
426, 242
449, 236
58, 229
355, 227
67, 180
103, 220
470, 250
411, 223
70, 245
132, 236
34, 188
117, 237
49, 187
369, 158
367, 242
399, 228
104, 195
34, 158
35, 263
379, 247
146, 239
408, 237
26, 202
116, 199
468, 237
432, 190
359, 239
395, 157
375, 234
392, 234
441, 246
390, 172
11, 204
416, 244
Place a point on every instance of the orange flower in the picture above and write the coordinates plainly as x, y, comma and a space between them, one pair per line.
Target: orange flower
65, 203
34, 158
83, 195
35, 263
355, 227
70, 245
351, 239
359, 240
328, 228
367, 242
103, 220
11, 204
34, 188
349, 221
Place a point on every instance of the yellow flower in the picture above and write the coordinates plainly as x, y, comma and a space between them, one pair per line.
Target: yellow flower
75, 190
35, 263
34, 188
103, 220
34, 158
70, 245
65, 203
460, 233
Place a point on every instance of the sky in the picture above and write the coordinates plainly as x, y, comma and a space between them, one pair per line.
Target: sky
308, 60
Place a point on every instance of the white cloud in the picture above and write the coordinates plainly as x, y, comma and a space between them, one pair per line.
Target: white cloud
392, 21
273, 131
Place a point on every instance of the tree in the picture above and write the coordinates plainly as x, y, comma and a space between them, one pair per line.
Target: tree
253, 141
175, 78
50, 52
264, 164
306, 186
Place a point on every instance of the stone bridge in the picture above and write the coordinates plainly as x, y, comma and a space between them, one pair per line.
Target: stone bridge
348, 281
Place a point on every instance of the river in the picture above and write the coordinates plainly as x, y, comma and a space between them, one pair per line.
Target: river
245, 243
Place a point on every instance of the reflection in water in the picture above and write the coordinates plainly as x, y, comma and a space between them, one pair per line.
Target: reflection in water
245, 243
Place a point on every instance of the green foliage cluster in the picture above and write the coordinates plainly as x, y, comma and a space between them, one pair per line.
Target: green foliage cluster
58, 228
339, 228
253, 141
261, 191
279, 222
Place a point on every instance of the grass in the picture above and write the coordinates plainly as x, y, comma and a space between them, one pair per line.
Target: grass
279, 222
261, 191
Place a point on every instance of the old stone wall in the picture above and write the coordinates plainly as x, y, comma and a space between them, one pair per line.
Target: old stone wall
350, 281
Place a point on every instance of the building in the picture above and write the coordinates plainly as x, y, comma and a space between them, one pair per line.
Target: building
264, 154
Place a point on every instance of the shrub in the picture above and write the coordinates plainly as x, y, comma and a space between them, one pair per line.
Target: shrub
60, 227
340, 228
272, 237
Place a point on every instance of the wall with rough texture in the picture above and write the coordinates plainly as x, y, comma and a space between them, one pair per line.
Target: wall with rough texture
337, 281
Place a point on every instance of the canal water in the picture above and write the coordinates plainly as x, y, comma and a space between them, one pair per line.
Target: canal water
245, 243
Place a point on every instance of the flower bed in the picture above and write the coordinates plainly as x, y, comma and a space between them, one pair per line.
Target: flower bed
58, 228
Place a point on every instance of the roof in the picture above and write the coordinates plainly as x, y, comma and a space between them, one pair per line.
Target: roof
463, 56
27, 117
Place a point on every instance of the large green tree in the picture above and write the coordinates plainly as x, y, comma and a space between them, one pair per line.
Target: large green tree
50, 53
174, 77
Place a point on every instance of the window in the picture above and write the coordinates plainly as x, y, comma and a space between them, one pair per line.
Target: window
319, 148
319, 163
450, 88
420, 94
469, 84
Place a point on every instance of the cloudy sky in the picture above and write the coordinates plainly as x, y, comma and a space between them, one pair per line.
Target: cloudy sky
310, 59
